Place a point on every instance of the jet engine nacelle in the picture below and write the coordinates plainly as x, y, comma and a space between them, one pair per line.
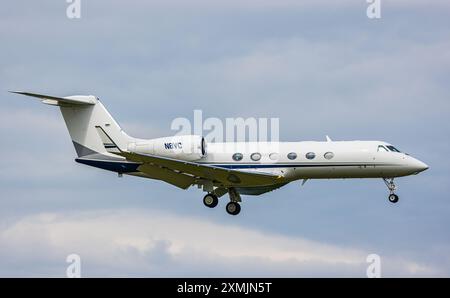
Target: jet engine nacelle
189, 148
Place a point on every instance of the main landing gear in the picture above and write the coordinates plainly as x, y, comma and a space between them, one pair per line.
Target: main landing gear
210, 200
393, 198
233, 207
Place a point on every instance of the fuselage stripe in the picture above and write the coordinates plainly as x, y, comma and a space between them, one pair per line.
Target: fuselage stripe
303, 165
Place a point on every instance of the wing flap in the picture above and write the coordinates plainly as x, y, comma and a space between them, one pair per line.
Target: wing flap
180, 180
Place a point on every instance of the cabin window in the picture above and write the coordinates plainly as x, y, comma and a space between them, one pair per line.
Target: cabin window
328, 155
292, 155
255, 156
237, 156
381, 148
393, 149
273, 156
310, 155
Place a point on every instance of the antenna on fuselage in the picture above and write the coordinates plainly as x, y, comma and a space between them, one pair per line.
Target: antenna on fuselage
328, 139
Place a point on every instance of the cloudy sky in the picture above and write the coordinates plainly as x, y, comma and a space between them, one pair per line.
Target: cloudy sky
321, 67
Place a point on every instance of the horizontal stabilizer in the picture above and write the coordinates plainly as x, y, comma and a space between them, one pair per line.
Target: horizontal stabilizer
57, 101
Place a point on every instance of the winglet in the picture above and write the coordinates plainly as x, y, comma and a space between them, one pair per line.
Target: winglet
328, 139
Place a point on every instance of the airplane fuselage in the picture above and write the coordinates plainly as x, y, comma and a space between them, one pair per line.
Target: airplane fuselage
316, 160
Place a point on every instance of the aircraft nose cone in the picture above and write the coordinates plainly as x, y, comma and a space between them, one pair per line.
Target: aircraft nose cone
419, 166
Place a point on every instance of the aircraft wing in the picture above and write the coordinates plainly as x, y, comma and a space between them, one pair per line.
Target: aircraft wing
189, 172
225, 177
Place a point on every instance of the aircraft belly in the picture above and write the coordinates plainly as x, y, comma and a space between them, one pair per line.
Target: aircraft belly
258, 190
354, 171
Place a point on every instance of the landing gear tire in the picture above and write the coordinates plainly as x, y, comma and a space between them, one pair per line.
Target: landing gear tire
393, 198
210, 200
233, 208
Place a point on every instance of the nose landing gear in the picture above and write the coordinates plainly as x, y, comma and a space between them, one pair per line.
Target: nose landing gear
393, 198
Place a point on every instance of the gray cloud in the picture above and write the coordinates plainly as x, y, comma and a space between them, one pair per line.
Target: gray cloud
155, 243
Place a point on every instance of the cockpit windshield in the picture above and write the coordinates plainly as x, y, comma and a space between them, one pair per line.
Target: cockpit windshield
393, 149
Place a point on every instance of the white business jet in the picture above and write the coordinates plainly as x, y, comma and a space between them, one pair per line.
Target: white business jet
242, 168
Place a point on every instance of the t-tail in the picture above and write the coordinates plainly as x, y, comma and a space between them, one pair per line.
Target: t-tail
89, 124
